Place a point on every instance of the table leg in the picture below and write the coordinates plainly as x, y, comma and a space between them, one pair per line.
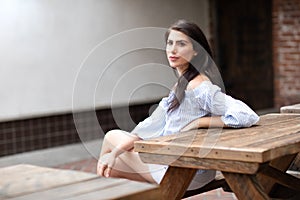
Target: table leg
281, 164
175, 182
245, 186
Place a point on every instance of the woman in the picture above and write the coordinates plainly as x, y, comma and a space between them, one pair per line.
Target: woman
196, 101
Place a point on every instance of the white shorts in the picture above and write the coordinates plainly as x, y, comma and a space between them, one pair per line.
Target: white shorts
201, 178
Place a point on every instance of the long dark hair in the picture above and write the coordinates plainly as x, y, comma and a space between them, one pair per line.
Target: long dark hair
201, 63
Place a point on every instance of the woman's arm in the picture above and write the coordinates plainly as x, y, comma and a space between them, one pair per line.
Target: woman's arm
205, 122
233, 112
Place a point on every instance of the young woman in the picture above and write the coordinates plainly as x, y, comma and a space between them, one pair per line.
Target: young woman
196, 101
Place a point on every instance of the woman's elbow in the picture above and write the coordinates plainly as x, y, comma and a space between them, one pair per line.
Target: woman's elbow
242, 120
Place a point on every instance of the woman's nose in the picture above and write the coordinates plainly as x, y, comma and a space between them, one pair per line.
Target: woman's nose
173, 48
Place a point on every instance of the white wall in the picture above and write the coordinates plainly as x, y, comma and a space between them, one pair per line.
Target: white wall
59, 55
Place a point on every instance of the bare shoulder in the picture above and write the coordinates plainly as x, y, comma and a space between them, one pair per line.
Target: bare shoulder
197, 81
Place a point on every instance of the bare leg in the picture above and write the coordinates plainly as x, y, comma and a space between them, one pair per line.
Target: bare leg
128, 164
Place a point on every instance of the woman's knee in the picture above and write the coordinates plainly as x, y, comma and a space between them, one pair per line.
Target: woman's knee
117, 133
113, 133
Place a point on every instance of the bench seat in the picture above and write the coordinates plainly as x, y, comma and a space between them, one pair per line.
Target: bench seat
28, 182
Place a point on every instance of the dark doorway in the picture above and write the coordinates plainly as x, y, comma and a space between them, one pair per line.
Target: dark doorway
244, 49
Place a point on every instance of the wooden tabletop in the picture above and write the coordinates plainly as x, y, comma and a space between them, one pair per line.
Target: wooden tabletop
20, 182
274, 136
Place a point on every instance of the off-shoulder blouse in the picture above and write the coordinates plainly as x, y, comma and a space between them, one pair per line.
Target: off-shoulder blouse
206, 99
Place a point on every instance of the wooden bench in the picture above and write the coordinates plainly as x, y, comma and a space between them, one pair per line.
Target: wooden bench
295, 108
33, 182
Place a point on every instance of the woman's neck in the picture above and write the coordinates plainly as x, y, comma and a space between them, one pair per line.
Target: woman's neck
182, 69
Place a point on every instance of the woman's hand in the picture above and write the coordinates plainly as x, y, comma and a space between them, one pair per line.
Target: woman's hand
106, 163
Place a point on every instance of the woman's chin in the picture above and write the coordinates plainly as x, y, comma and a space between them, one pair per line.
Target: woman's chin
173, 65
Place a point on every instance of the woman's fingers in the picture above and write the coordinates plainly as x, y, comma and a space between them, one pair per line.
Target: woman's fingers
101, 168
105, 164
108, 171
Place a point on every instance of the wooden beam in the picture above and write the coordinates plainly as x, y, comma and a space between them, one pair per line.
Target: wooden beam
175, 182
249, 187
201, 163
282, 178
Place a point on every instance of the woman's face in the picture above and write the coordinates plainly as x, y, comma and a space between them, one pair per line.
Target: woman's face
179, 50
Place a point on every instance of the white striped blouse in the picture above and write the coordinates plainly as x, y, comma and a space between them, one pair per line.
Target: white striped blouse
204, 100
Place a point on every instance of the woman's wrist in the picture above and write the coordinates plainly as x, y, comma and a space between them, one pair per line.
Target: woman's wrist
210, 122
117, 151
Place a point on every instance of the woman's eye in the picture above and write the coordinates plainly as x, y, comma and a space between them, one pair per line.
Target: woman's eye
169, 43
181, 44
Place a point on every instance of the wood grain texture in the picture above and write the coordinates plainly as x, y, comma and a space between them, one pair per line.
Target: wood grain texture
282, 178
22, 179
241, 154
176, 182
281, 164
201, 163
245, 187
275, 135
26, 182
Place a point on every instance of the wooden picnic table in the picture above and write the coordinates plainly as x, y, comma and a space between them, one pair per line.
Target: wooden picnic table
253, 160
28, 182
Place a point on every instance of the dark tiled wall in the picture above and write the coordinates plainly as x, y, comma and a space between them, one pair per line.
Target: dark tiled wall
50, 131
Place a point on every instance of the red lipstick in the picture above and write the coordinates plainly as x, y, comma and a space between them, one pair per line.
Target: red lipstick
173, 58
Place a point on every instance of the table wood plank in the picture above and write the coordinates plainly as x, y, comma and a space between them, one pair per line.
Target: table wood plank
254, 144
199, 163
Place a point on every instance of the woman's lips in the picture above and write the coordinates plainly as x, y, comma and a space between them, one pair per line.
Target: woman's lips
173, 58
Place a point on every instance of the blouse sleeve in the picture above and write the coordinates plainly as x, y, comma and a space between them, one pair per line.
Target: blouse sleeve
234, 113
152, 126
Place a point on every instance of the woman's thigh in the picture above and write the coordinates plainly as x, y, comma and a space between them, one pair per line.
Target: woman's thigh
130, 166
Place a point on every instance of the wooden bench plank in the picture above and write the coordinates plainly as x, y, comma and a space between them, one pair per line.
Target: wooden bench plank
72, 189
290, 109
23, 179
47, 183
293, 109
98, 188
